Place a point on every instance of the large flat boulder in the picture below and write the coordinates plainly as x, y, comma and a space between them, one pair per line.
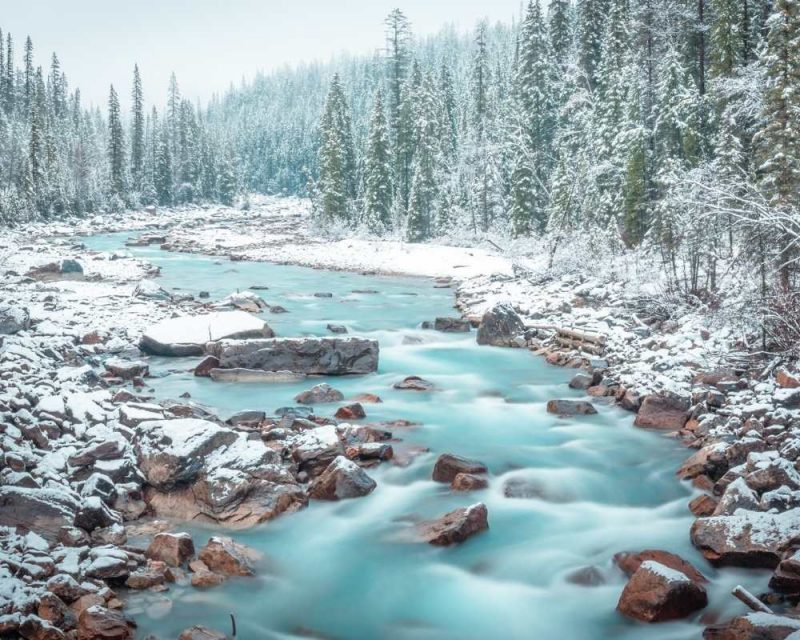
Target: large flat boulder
43, 511
188, 335
656, 593
311, 356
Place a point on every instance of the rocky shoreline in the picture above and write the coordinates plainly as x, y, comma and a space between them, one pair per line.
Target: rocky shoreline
86, 452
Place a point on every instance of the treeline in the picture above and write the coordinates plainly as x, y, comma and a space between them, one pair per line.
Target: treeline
58, 158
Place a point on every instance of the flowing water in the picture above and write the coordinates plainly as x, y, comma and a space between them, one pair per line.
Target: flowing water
339, 570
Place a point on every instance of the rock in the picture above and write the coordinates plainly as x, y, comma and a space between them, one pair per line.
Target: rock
224, 556
36, 628
754, 626
174, 549
414, 383
127, 369
630, 561
584, 380
93, 513
247, 419
276, 308
784, 378
65, 587
789, 398
203, 370
319, 394
586, 577
468, 482
337, 328
448, 466
188, 335
70, 266
786, 578
255, 376
367, 398
452, 325
99, 623
703, 506
44, 511
350, 412
454, 527
747, 538
566, 408
656, 593
370, 451
662, 412
341, 480
150, 290
203, 578
499, 326
309, 356
199, 632
243, 300
13, 319
153, 575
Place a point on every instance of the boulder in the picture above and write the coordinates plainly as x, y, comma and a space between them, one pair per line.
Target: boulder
257, 376
199, 632
352, 411
500, 326
468, 482
747, 538
308, 356
784, 378
566, 408
452, 325
127, 369
754, 626
448, 466
224, 556
151, 290
342, 479
319, 394
13, 319
99, 623
786, 578
414, 383
174, 549
249, 419
454, 527
656, 593
244, 301
630, 562
662, 411
188, 335
36, 628
44, 511
337, 328
203, 370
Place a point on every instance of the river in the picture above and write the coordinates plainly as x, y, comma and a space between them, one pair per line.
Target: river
338, 570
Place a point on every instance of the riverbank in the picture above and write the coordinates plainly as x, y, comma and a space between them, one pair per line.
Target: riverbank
631, 357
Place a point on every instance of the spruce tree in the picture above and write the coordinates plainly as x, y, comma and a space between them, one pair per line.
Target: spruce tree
29, 74
162, 179
398, 41
137, 132
591, 26
560, 31
116, 146
727, 49
378, 171
336, 157
9, 87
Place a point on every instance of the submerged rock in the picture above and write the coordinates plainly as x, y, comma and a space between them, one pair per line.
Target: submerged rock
468, 482
454, 527
452, 325
448, 466
319, 394
188, 335
414, 383
310, 356
199, 632
657, 593
566, 408
500, 326
225, 556
342, 479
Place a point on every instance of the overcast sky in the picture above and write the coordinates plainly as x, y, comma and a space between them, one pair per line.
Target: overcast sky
211, 43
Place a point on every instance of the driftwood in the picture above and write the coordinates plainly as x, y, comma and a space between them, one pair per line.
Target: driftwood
583, 336
588, 347
740, 593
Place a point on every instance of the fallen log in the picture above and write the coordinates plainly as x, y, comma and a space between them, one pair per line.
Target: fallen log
594, 349
583, 336
742, 594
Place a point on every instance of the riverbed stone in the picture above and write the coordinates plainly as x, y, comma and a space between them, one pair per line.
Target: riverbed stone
322, 393
352, 411
468, 482
414, 383
342, 479
567, 408
99, 623
657, 593
42, 510
662, 411
174, 549
225, 556
499, 326
454, 527
452, 325
199, 632
448, 466
754, 626
630, 561
203, 370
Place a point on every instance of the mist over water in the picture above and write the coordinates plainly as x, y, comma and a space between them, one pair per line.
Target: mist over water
341, 570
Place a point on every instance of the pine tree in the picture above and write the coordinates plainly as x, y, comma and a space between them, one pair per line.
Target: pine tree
726, 39
9, 87
336, 157
480, 83
163, 170
378, 171
226, 182
778, 141
560, 31
116, 146
591, 26
137, 132
398, 40
447, 91
29, 74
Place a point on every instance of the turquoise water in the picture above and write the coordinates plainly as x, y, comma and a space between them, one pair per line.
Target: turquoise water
340, 570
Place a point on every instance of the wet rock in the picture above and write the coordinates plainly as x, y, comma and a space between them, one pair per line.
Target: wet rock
224, 556
247, 419
127, 369
13, 319
174, 549
500, 326
737, 495
342, 479
44, 511
367, 398
656, 593
662, 412
711, 460
199, 632
187, 336
202, 578
703, 506
629, 562
754, 626
584, 380
337, 328
322, 393
350, 412
786, 578
99, 623
308, 356
454, 527
747, 538
276, 308
586, 577
468, 482
203, 370
567, 408
448, 466
452, 325
370, 451
414, 383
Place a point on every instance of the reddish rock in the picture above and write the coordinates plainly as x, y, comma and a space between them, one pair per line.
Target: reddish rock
350, 412
36, 628
99, 623
223, 555
93, 337
753, 626
703, 506
342, 479
656, 593
53, 609
319, 394
199, 632
787, 380
710, 461
448, 466
662, 412
786, 578
630, 562
566, 408
203, 370
468, 482
153, 575
368, 398
454, 527
203, 577
414, 383
174, 549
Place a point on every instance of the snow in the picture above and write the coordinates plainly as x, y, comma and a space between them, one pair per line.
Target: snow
198, 330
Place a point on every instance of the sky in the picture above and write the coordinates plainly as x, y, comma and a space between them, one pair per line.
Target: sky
211, 43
